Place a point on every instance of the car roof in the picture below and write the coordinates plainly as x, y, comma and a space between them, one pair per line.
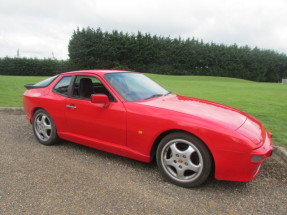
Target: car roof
96, 71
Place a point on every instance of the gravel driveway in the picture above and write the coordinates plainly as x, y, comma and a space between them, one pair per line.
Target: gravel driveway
73, 179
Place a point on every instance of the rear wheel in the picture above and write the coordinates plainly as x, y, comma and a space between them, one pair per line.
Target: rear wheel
44, 128
183, 159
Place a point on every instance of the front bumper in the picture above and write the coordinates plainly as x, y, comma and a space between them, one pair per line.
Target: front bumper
238, 166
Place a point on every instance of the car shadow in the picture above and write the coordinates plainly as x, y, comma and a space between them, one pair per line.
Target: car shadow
151, 168
106, 155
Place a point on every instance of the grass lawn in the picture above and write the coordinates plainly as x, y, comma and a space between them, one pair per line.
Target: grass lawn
266, 101
12, 89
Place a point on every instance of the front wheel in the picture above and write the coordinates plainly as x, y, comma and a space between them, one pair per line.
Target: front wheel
183, 159
44, 128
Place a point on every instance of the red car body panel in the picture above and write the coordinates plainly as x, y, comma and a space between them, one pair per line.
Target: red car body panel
131, 129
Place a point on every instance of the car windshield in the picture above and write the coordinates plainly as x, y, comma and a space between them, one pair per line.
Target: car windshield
135, 86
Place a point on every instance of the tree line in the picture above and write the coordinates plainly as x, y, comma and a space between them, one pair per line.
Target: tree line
32, 67
90, 48
96, 49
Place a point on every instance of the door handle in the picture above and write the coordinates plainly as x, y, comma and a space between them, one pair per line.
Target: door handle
71, 106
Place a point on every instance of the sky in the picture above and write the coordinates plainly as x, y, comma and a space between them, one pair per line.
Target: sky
43, 28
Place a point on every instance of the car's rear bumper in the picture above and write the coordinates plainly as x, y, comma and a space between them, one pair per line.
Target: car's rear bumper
238, 166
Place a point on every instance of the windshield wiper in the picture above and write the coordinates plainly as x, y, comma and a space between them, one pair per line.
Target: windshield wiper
158, 95
154, 96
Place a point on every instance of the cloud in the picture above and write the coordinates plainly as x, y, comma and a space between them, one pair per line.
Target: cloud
40, 27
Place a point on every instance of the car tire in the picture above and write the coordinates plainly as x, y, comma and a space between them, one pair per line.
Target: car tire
44, 128
183, 159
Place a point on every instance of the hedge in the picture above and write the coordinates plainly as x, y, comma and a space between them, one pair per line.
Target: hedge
32, 67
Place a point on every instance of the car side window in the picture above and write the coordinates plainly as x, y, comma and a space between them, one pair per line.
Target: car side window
63, 85
84, 86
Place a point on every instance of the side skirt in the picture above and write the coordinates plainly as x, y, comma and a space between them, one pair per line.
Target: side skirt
105, 146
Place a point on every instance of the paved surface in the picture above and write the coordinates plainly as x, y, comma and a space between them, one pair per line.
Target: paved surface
73, 179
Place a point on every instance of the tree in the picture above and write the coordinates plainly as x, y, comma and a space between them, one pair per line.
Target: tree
95, 49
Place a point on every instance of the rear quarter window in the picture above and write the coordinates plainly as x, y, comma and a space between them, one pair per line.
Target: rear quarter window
63, 85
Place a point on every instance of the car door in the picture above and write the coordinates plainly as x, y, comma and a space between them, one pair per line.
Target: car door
86, 120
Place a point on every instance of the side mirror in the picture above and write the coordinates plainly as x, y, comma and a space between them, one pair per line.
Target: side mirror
100, 99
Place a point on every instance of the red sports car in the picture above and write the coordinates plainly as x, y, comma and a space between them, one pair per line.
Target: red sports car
128, 114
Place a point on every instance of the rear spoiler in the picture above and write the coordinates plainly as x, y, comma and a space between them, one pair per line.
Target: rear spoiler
32, 86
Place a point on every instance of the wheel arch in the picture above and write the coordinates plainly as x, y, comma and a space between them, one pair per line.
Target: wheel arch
32, 112
35, 109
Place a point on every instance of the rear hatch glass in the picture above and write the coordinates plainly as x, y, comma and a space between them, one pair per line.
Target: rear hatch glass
41, 84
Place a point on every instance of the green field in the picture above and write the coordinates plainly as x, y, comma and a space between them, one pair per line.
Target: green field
266, 101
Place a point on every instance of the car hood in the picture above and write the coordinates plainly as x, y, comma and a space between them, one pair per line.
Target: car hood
206, 110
